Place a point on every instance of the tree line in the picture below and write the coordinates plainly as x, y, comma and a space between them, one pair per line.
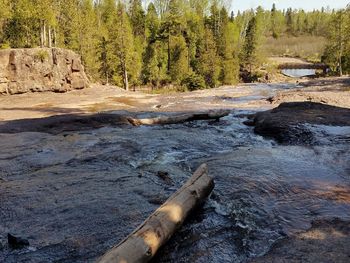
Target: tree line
192, 43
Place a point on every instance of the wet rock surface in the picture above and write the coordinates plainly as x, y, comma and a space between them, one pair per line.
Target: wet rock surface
64, 123
286, 123
39, 70
75, 192
326, 241
16, 242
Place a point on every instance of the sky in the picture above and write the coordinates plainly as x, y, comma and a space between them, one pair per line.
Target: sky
283, 4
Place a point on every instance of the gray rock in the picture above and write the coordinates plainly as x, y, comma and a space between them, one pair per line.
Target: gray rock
286, 122
40, 70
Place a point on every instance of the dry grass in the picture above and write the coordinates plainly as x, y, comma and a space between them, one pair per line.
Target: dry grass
307, 47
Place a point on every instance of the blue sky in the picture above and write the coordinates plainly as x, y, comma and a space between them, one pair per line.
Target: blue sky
283, 4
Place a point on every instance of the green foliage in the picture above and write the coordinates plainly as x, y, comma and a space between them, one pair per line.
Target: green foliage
306, 47
337, 51
137, 18
173, 41
248, 55
208, 65
105, 57
193, 81
41, 55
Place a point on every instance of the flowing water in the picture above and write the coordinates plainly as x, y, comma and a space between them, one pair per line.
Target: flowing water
74, 195
298, 73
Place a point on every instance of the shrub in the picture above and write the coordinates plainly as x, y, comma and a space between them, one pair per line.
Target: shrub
5, 45
41, 55
193, 81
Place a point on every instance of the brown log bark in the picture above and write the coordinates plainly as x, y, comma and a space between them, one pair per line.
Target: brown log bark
145, 241
213, 114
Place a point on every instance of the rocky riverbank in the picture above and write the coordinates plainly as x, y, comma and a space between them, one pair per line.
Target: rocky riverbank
76, 177
39, 70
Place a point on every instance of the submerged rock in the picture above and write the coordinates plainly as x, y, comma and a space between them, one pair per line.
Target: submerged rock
17, 242
326, 241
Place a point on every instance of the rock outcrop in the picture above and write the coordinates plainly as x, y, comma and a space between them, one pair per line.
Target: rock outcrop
40, 69
286, 122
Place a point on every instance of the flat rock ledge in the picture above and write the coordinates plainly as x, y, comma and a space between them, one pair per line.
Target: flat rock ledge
39, 70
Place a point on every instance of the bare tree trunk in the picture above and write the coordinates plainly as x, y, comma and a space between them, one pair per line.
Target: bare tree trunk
124, 56
180, 118
169, 55
50, 37
44, 35
125, 78
340, 44
54, 37
41, 34
145, 241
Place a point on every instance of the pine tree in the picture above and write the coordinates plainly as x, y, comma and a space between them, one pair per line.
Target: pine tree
154, 61
151, 23
69, 23
274, 30
45, 14
88, 37
179, 58
137, 18
289, 21
128, 61
171, 27
230, 60
106, 12
338, 42
208, 60
105, 60
21, 30
248, 55
5, 15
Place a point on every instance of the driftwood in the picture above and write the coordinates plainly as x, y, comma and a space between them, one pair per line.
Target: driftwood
144, 242
209, 115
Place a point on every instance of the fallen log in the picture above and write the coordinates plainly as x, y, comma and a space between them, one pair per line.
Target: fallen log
186, 117
156, 230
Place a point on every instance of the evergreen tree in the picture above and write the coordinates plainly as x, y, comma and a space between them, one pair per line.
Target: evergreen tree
154, 66
88, 37
128, 61
289, 21
337, 51
230, 60
45, 14
137, 18
105, 59
21, 31
179, 41
208, 60
274, 21
5, 15
152, 23
248, 56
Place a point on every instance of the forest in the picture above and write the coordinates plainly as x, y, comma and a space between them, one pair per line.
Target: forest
193, 44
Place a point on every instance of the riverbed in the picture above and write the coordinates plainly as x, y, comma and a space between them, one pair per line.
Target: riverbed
75, 193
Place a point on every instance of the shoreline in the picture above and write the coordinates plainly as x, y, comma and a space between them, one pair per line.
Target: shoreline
109, 98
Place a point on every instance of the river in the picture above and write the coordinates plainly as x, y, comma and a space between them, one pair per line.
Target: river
75, 194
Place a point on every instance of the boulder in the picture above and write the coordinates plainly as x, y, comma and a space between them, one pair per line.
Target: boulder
40, 70
286, 123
